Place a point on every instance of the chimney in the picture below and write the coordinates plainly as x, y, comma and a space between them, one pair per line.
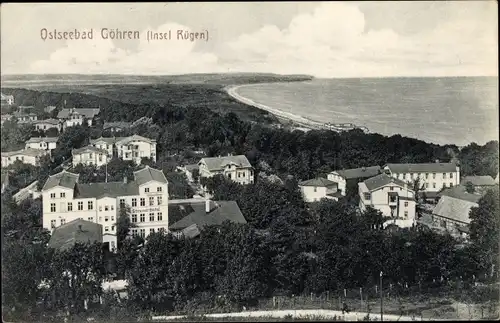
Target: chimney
437, 161
125, 180
80, 228
207, 206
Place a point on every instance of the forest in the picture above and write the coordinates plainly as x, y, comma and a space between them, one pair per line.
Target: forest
286, 248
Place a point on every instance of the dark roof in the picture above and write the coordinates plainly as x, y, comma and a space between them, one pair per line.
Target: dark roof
64, 179
66, 235
89, 148
220, 212
111, 189
454, 208
430, 194
318, 182
88, 113
378, 181
362, 172
422, 168
337, 194
479, 180
219, 163
117, 124
107, 140
460, 193
149, 174
191, 231
48, 121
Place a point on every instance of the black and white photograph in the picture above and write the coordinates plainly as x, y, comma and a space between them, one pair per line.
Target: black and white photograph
250, 161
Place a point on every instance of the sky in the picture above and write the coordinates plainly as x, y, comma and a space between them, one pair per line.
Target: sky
323, 39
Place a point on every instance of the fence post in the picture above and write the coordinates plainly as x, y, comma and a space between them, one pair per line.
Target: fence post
311, 296
327, 295
361, 296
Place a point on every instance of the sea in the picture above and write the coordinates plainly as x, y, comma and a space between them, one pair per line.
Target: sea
447, 110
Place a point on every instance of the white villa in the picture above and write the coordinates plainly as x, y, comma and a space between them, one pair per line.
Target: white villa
44, 125
236, 168
315, 189
66, 200
342, 176
7, 99
43, 143
74, 117
25, 117
127, 148
391, 196
27, 156
433, 176
90, 156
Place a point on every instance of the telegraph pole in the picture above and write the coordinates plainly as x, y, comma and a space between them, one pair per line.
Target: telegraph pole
381, 299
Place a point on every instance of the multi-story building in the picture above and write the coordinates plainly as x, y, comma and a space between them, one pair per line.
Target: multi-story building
65, 200
390, 196
90, 156
74, 117
341, 177
116, 126
236, 168
44, 125
7, 99
433, 176
43, 143
135, 148
27, 156
315, 189
107, 144
25, 117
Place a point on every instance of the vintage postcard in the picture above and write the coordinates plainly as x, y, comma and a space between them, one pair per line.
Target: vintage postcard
250, 161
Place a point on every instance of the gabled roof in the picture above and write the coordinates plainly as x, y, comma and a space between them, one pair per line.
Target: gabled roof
126, 140
479, 180
87, 113
64, 179
149, 174
48, 121
25, 152
89, 149
5, 97
381, 180
453, 208
220, 212
362, 172
77, 231
460, 193
34, 140
107, 140
110, 189
422, 168
219, 163
318, 182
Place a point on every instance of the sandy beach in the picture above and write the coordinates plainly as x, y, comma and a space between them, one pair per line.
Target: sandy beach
303, 123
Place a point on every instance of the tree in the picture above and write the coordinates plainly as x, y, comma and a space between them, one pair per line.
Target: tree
469, 188
374, 218
123, 225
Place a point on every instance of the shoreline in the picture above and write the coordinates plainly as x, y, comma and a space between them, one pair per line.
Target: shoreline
301, 122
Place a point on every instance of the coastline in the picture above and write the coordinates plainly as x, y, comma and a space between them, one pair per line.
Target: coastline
301, 123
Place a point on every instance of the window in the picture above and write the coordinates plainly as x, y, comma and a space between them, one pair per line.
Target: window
406, 214
143, 217
433, 175
143, 233
391, 188
367, 196
91, 205
52, 195
52, 223
122, 202
91, 219
134, 202
80, 206
451, 184
426, 185
63, 194
100, 208
411, 175
159, 198
451, 175
134, 232
229, 175
315, 189
146, 190
112, 228
151, 217
433, 185
444, 175
443, 224
112, 207
106, 208
52, 207
113, 245
158, 189
106, 229
134, 218
63, 221
151, 231
151, 200
426, 175
90, 155
70, 206
112, 218
143, 201
160, 217
106, 218
406, 204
